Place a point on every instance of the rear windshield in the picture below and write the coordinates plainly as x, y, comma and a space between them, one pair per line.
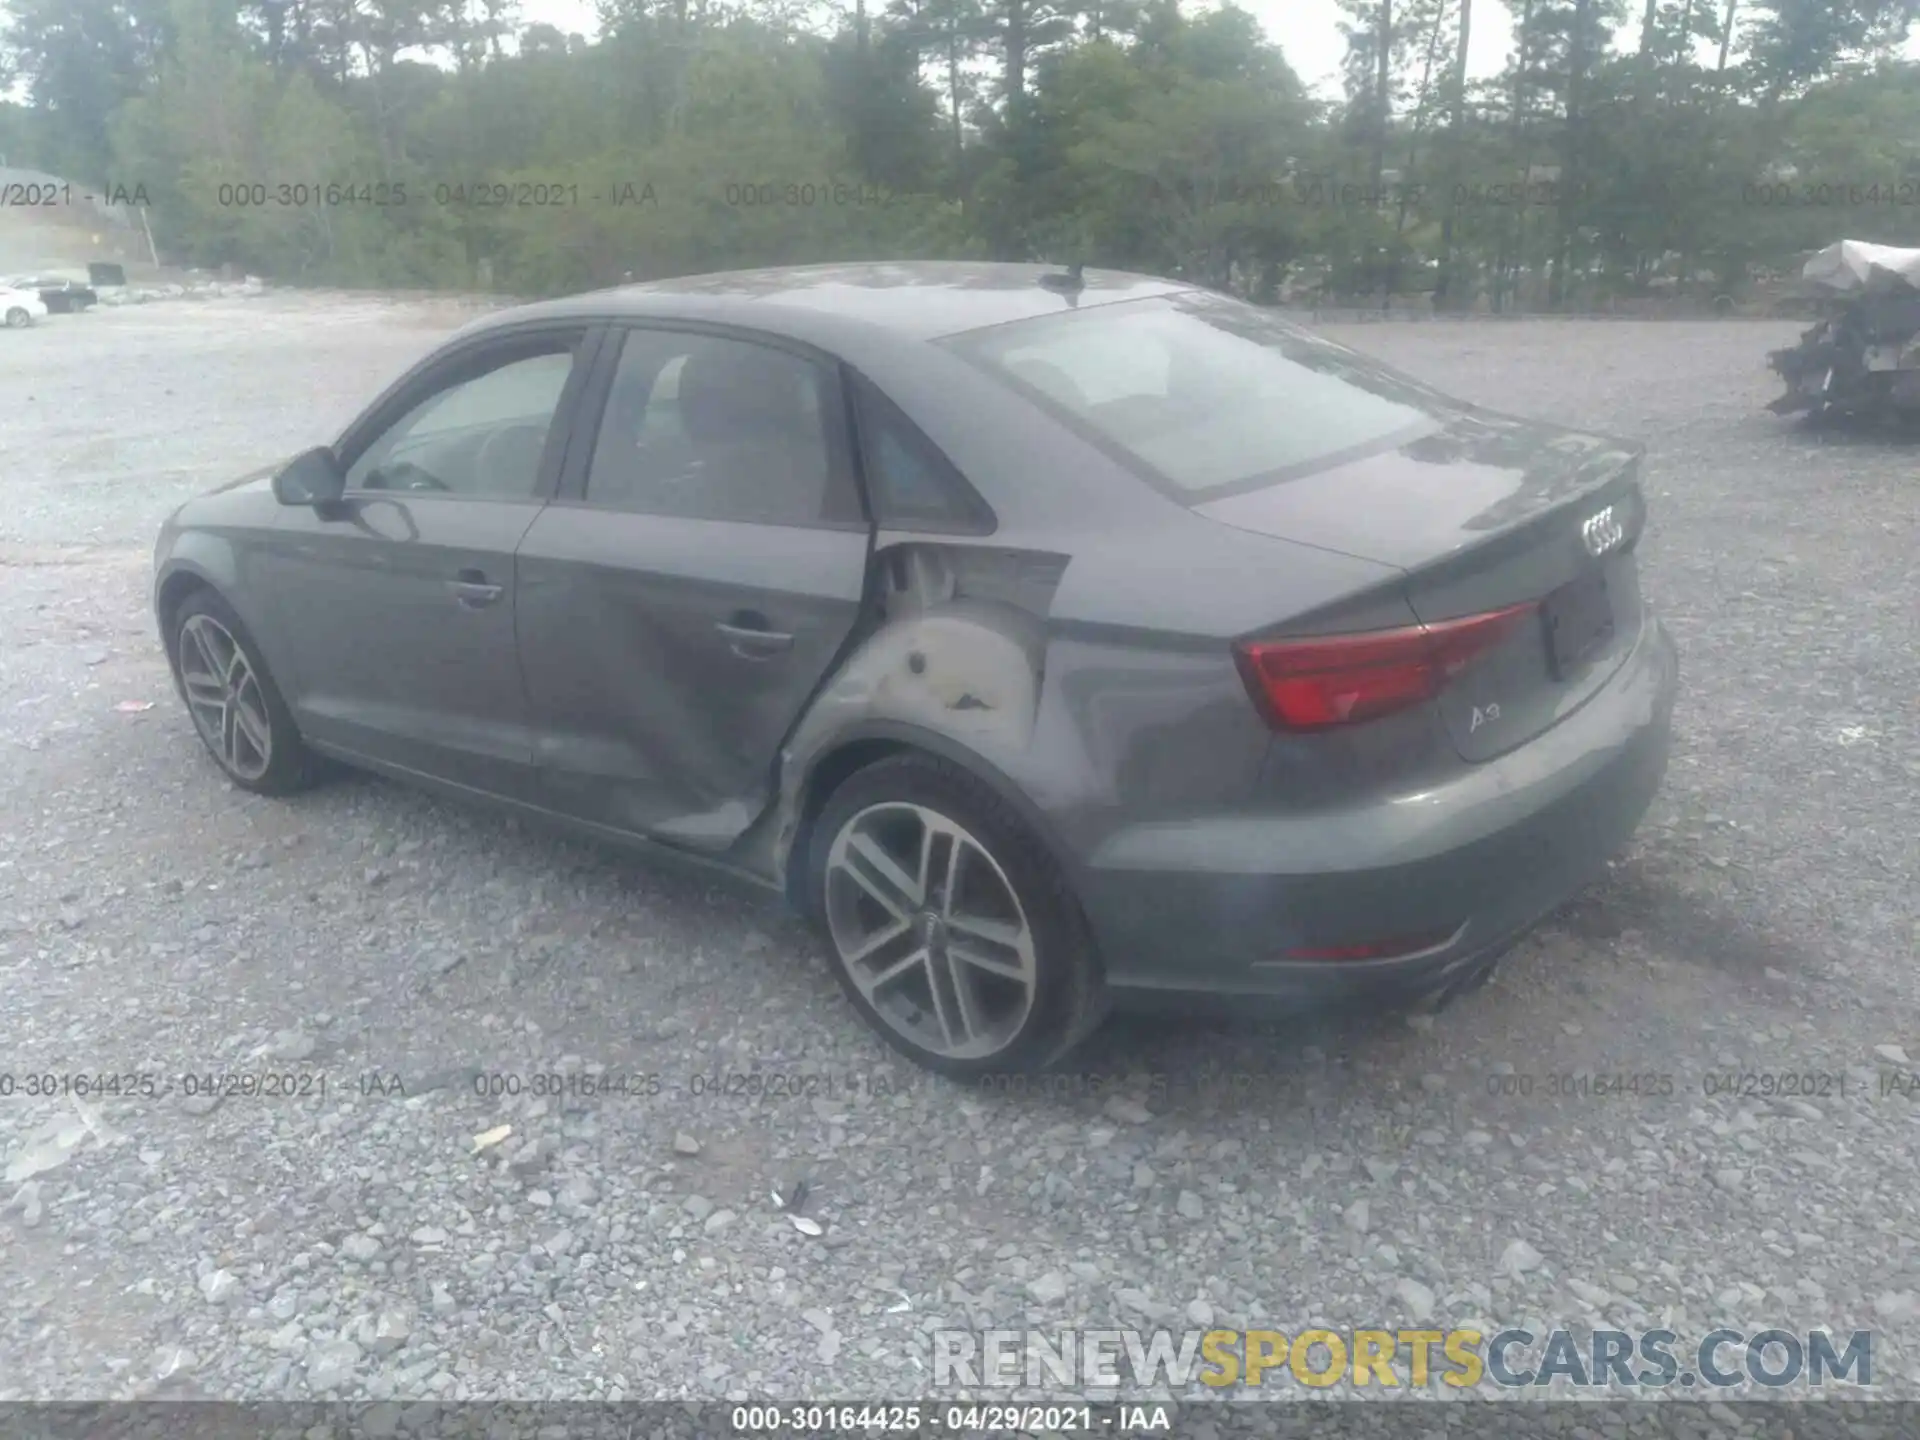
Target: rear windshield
1204, 394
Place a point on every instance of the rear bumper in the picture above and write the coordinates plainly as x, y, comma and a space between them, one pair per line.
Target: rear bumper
1213, 906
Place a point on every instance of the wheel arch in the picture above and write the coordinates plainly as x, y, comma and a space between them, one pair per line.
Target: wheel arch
173, 591
202, 562
865, 744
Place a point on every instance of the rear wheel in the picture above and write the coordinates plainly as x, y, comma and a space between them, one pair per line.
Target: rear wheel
952, 929
236, 708
17, 317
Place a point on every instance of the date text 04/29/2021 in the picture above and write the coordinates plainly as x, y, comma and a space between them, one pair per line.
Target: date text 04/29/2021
954, 1418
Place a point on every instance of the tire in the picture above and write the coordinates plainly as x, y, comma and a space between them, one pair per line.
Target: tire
205, 631
1006, 879
18, 318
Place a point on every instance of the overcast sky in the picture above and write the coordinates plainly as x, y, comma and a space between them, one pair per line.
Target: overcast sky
1307, 31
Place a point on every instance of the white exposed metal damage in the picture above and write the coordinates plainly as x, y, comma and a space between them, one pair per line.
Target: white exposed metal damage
956, 648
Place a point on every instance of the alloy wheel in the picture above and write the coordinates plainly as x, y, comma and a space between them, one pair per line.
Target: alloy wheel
930, 930
224, 695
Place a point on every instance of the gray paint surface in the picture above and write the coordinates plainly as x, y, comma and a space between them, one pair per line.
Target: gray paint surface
1078, 659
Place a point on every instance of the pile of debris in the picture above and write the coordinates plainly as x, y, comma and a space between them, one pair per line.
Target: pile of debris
193, 290
1862, 356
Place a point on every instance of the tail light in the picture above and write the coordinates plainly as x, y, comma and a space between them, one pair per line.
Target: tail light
1331, 680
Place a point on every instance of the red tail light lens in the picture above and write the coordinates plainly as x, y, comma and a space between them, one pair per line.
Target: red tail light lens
1332, 680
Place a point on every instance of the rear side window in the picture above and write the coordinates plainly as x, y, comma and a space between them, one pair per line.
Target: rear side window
911, 485
706, 427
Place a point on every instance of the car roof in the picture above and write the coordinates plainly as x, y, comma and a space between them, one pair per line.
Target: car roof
916, 300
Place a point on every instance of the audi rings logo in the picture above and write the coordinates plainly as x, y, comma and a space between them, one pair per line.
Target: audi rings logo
1602, 532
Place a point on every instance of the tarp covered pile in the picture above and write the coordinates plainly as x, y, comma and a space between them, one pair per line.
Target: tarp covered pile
1863, 357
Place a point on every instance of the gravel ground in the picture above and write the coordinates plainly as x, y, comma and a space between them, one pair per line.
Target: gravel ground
352, 1244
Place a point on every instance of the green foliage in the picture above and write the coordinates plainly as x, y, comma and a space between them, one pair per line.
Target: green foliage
417, 142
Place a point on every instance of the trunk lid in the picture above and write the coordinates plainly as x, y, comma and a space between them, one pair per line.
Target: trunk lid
1482, 512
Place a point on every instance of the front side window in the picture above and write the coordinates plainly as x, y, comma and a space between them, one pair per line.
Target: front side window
1206, 394
706, 427
482, 435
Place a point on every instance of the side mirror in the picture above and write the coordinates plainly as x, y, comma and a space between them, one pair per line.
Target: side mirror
311, 478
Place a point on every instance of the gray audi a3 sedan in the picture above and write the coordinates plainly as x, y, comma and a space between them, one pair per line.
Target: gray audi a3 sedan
1052, 640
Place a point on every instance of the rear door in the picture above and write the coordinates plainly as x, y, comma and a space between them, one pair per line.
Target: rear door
694, 582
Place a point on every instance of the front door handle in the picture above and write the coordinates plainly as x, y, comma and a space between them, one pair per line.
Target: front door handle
750, 635
473, 590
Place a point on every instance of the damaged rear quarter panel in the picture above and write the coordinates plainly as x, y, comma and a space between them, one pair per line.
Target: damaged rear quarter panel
1076, 728
1079, 660
953, 658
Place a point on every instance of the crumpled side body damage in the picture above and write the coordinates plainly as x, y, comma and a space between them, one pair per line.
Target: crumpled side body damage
954, 650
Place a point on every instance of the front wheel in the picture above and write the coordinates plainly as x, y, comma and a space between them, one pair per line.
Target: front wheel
236, 708
952, 929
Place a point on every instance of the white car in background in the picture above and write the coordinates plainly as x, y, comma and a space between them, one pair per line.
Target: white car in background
21, 307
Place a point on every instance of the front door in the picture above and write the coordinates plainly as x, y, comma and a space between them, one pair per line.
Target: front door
398, 602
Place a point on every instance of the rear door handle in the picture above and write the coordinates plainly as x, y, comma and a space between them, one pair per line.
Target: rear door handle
473, 590
750, 635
